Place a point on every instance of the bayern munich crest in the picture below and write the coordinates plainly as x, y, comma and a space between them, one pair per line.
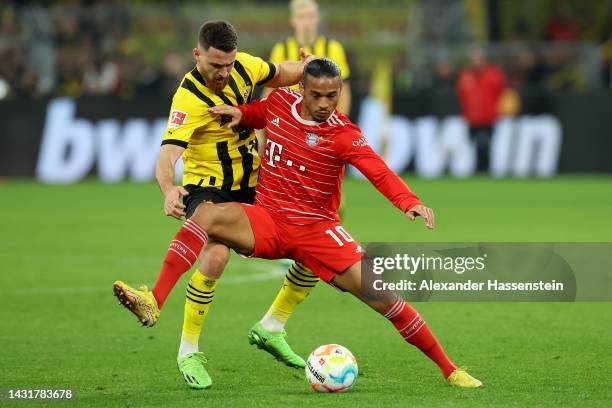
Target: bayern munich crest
312, 139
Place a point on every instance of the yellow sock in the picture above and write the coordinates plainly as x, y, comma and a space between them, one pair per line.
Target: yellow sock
299, 281
198, 299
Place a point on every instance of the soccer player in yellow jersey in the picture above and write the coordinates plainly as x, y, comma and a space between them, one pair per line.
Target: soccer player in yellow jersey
304, 19
220, 165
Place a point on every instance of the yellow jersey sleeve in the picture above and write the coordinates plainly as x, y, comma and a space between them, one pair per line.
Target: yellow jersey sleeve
278, 53
336, 53
187, 114
258, 70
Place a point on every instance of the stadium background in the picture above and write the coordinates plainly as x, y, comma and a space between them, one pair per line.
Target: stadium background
85, 89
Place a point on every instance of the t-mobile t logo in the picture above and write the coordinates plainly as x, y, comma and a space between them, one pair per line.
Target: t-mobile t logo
274, 151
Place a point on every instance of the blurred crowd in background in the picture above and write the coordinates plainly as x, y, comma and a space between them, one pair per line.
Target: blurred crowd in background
78, 48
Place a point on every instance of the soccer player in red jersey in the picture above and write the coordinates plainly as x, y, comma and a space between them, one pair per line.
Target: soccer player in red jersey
298, 193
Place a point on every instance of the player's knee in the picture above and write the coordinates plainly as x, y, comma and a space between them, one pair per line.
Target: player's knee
216, 265
213, 263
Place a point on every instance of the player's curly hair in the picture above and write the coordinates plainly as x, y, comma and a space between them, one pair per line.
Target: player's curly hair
218, 34
321, 67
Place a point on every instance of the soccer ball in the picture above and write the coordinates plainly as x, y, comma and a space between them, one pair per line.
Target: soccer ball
331, 368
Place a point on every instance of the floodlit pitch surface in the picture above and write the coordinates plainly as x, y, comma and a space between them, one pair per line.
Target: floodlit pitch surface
62, 247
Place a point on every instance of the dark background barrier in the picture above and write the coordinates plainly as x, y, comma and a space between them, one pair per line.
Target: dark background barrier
22, 125
586, 123
586, 120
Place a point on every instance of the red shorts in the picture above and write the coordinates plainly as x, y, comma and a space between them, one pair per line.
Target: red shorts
323, 247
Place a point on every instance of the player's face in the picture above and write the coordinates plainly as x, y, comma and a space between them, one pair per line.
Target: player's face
320, 97
305, 20
215, 66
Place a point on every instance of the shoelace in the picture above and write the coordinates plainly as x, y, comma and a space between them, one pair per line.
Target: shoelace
195, 360
197, 357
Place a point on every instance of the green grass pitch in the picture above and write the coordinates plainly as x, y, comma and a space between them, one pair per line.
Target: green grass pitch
63, 246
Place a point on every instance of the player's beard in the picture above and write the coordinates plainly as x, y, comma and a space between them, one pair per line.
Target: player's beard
220, 83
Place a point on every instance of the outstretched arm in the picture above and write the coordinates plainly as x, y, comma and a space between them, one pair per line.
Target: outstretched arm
358, 153
289, 72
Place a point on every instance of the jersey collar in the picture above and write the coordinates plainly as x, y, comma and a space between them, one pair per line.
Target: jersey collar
196, 74
299, 118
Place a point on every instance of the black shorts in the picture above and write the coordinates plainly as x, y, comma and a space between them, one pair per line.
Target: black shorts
198, 195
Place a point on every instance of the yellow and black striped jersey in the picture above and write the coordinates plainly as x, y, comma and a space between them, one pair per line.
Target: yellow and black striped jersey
216, 156
289, 50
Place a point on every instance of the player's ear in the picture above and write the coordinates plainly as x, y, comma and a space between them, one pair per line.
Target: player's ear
196, 53
301, 85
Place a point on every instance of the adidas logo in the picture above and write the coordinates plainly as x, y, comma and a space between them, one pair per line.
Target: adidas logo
276, 122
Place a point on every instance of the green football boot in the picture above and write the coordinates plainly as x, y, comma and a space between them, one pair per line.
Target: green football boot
275, 344
194, 373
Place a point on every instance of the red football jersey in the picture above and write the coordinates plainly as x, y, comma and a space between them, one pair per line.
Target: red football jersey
304, 161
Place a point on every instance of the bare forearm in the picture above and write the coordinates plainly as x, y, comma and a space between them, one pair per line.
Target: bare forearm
164, 169
164, 173
289, 73
262, 136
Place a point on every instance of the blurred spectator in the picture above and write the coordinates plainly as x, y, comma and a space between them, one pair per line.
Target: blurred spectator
134, 76
527, 71
144, 80
304, 19
561, 26
606, 51
95, 47
480, 86
564, 69
101, 76
443, 75
521, 31
173, 69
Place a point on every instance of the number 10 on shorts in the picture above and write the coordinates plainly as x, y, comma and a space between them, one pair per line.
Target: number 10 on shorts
340, 233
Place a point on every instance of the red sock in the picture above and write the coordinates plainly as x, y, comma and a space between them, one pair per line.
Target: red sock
181, 256
413, 329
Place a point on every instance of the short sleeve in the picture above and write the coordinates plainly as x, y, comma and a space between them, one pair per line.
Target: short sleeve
257, 69
186, 115
337, 54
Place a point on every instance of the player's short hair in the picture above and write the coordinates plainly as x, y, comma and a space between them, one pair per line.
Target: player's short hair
296, 4
321, 67
218, 34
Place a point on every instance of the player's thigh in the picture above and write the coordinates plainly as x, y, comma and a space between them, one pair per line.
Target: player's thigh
213, 259
352, 280
325, 248
226, 223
